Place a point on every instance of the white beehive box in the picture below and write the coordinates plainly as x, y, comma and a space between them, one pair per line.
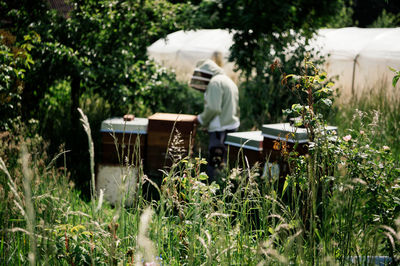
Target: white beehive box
289, 133
117, 124
119, 139
119, 184
251, 140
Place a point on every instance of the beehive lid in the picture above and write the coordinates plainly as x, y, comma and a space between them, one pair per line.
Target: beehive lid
118, 125
283, 131
251, 140
172, 117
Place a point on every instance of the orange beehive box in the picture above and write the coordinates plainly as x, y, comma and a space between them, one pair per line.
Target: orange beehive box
162, 129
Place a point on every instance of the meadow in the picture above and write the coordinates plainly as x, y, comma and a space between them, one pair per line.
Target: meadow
339, 204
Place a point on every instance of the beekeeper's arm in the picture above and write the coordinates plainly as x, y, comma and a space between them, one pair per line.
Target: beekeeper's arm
212, 104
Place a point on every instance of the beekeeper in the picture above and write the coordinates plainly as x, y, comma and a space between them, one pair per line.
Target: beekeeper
220, 114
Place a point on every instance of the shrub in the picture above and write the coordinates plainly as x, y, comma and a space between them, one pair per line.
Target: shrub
15, 61
347, 187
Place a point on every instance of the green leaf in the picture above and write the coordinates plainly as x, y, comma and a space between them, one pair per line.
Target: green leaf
297, 107
330, 84
395, 80
318, 234
289, 76
327, 102
325, 90
285, 185
202, 176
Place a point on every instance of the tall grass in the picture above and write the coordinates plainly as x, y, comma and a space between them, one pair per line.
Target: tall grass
379, 107
338, 205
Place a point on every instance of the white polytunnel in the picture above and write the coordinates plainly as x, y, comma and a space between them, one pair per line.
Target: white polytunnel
359, 57
181, 50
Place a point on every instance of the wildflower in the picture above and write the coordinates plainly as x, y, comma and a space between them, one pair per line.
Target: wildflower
386, 148
347, 138
277, 145
362, 132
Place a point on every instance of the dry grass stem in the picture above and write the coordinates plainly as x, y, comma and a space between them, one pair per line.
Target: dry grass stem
85, 123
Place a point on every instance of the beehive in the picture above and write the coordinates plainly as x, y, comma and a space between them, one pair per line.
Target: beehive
248, 144
162, 129
278, 135
282, 137
119, 184
122, 140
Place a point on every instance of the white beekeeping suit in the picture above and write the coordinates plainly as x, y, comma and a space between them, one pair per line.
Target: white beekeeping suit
221, 108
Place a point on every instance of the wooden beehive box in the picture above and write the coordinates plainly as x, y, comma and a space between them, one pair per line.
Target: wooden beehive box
284, 135
161, 132
277, 135
248, 144
122, 140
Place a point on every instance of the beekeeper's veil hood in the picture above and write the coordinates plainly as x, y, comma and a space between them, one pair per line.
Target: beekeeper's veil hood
204, 71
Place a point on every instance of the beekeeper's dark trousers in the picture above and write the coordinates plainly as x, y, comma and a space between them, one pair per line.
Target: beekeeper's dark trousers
217, 153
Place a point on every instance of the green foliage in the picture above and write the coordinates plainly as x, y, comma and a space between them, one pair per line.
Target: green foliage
264, 97
159, 91
317, 91
340, 200
376, 171
374, 103
245, 220
264, 29
386, 20
15, 61
113, 36
396, 76
371, 13
99, 50
355, 192
352, 170
343, 18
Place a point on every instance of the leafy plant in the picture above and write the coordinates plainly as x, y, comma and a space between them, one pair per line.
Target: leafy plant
15, 61
345, 182
318, 92
386, 20
396, 76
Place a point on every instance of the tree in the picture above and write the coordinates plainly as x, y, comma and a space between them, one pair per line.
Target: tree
15, 60
366, 12
267, 31
100, 49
